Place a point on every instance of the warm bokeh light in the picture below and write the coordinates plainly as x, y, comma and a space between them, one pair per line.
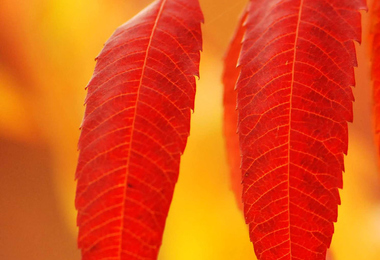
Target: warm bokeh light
47, 51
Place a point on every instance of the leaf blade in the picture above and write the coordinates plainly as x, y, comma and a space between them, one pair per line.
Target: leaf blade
135, 129
294, 101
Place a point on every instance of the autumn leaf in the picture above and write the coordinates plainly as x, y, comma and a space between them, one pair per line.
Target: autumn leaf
230, 76
294, 99
135, 129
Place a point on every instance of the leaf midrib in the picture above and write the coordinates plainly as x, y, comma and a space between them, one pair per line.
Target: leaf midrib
290, 116
133, 124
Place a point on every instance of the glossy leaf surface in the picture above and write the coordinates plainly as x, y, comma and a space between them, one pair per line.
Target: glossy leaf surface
135, 129
294, 100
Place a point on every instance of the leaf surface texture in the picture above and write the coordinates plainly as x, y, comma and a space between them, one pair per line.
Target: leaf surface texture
294, 99
135, 129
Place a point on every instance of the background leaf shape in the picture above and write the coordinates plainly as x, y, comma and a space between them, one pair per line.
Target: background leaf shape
375, 15
135, 129
294, 101
230, 76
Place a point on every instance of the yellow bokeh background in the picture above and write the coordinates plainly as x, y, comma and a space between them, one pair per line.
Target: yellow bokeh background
47, 51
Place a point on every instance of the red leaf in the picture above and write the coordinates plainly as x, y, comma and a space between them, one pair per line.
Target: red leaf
294, 101
230, 75
135, 129
375, 11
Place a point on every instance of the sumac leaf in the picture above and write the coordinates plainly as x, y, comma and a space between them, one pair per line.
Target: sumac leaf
294, 99
135, 129
230, 76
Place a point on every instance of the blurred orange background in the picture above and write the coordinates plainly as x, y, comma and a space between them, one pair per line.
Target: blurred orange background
47, 51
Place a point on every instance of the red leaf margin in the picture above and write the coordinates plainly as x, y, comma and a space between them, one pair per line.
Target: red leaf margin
135, 128
230, 75
294, 101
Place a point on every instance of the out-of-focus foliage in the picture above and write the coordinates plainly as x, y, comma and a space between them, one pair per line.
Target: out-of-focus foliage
47, 51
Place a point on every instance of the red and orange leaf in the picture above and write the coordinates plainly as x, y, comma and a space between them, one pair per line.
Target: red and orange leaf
230, 76
375, 11
135, 129
294, 100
